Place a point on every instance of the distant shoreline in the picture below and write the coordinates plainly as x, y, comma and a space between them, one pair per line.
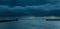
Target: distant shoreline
44, 17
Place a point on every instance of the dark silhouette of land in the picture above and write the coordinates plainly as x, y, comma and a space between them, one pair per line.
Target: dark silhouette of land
8, 20
52, 19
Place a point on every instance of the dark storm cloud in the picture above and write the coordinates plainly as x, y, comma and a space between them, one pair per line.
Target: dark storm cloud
37, 10
27, 2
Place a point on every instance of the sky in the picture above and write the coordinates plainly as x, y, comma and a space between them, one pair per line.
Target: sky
29, 8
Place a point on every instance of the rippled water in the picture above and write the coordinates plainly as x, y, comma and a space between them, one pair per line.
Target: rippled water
31, 24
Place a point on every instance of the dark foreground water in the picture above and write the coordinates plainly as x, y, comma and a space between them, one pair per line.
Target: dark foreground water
31, 24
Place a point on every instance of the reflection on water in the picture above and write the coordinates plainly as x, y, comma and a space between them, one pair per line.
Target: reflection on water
27, 23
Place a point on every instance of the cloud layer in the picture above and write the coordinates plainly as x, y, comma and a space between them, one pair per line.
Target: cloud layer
35, 10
